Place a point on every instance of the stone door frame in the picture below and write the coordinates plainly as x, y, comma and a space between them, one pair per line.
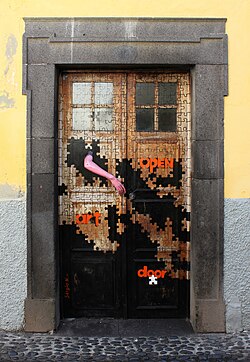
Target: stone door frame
197, 45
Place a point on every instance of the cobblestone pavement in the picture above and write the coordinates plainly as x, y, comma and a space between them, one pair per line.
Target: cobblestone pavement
198, 347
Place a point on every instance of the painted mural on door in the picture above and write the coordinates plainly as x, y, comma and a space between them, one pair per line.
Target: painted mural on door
124, 193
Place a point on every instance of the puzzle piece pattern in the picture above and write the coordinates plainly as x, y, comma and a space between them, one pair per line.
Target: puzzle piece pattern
94, 114
153, 280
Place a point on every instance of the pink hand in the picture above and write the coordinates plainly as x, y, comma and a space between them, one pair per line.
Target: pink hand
118, 185
93, 167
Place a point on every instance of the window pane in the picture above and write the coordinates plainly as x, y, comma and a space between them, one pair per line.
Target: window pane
104, 119
81, 93
82, 119
144, 119
167, 120
103, 93
167, 93
145, 94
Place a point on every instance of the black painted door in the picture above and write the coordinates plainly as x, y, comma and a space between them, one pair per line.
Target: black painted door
125, 255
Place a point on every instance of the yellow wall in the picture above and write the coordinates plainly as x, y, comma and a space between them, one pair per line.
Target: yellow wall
13, 104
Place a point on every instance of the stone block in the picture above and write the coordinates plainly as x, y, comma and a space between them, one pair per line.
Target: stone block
42, 51
43, 193
208, 51
208, 103
28, 156
208, 159
41, 82
43, 156
46, 27
113, 29
42, 229
39, 315
43, 254
207, 238
125, 51
211, 316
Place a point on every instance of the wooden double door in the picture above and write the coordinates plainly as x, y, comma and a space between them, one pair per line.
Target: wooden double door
124, 255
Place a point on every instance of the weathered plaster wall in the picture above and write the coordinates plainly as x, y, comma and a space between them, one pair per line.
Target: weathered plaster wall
236, 267
13, 270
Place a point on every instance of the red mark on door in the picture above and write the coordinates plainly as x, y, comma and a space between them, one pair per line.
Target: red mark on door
67, 288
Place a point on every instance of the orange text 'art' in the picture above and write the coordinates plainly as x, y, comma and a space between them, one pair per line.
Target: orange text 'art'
153, 163
86, 218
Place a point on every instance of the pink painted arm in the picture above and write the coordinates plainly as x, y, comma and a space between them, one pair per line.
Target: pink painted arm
90, 165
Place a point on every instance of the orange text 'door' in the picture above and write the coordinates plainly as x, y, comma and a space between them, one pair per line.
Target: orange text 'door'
144, 273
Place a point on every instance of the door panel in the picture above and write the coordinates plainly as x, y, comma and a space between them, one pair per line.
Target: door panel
91, 119
125, 255
92, 276
159, 201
